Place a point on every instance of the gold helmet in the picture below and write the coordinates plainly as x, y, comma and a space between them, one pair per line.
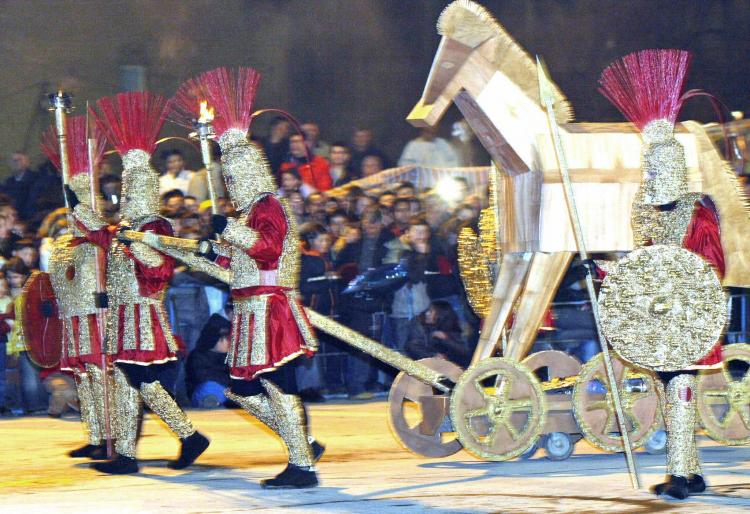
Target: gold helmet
230, 95
132, 121
646, 87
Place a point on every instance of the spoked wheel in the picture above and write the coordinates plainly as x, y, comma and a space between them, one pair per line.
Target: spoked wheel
418, 415
724, 397
498, 409
594, 409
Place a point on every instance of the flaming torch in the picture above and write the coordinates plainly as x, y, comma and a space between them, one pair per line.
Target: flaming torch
204, 132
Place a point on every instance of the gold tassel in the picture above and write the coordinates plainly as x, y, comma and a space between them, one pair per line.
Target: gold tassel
682, 452
166, 408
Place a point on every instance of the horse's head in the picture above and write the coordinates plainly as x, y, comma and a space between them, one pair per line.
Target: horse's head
464, 26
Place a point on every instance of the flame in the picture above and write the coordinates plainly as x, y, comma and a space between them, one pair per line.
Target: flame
207, 115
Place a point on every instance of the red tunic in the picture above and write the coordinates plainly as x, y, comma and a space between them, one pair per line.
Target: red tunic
152, 345
286, 332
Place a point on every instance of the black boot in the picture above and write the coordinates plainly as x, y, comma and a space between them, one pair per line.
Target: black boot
84, 451
192, 447
120, 465
293, 477
696, 484
100, 453
676, 487
317, 450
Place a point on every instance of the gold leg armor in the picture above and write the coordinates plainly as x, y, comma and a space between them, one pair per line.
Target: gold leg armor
292, 426
126, 409
87, 404
96, 377
166, 408
682, 452
258, 406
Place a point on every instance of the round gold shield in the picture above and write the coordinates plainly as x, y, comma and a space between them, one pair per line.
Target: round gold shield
662, 307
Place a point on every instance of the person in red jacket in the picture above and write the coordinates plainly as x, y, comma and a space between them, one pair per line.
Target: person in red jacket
316, 172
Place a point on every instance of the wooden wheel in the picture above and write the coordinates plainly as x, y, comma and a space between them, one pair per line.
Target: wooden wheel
418, 415
724, 401
595, 412
558, 364
498, 409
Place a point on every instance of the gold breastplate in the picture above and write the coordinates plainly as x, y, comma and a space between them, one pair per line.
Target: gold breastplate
244, 268
663, 227
72, 271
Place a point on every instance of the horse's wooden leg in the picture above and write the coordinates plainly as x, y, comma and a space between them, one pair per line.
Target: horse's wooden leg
513, 270
544, 277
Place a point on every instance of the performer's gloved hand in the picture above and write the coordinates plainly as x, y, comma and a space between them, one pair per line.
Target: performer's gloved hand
70, 196
47, 308
101, 300
206, 250
121, 235
219, 223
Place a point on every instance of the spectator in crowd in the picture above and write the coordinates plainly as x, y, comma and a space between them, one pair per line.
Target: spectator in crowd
337, 222
33, 395
45, 195
362, 146
276, 144
291, 181
312, 135
191, 204
370, 165
207, 374
175, 175
172, 203
401, 216
315, 208
363, 311
319, 285
19, 184
26, 250
316, 173
437, 333
386, 200
429, 151
6, 309
363, 203
198, 186
341, 169
297, 205
406, 190
8, 237
431, 276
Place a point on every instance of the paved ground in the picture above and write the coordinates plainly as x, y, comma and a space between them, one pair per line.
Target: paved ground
364, 470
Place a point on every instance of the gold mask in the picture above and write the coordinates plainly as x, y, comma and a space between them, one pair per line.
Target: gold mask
245, 169
140, 187
663, 164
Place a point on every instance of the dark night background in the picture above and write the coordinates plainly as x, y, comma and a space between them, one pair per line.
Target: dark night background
342, 63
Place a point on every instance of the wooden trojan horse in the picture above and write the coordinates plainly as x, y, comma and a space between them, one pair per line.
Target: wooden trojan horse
493, 82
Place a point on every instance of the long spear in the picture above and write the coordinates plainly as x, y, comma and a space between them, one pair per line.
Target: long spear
548, 98
100, 280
